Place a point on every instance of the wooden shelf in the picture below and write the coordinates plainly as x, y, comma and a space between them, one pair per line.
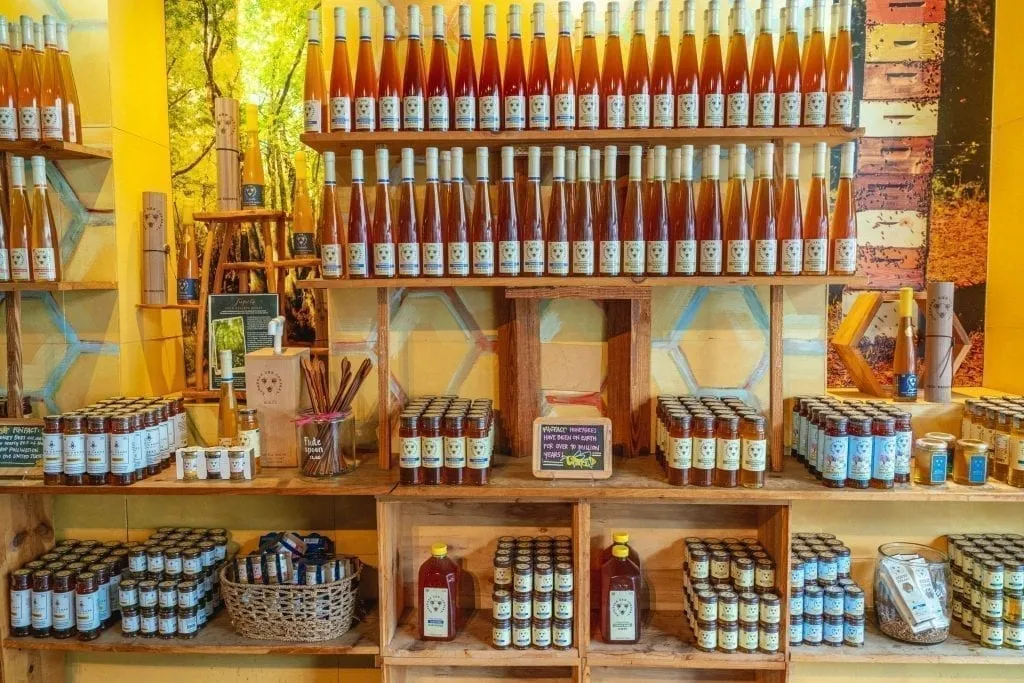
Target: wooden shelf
666, 642
169, 307
341, 142
239, 216
574, 285
83, 286
471, 647
55, 150
217, 638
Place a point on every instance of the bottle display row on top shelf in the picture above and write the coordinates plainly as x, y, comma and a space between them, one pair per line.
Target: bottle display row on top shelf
776, 84
29, 245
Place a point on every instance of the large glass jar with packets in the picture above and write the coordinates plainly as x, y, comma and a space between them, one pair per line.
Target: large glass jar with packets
912, 598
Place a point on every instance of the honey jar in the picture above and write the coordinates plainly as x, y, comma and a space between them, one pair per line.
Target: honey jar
970, 467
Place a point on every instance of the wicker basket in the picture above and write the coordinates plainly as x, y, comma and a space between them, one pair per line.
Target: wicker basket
294, 613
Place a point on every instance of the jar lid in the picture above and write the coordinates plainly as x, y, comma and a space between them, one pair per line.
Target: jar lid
87, 582
69, 421
836, 421
755, 419
453, 421
247, 412
973, 445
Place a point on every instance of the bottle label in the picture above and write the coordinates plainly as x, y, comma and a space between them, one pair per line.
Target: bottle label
19, 264
633, 257
739, 256
74, 453
330, 260
515, 113
501, 636
490, 117
755, 455
152, 439
640, 111
479, 453
458, 258
412, 112
664, 111
711, 256
384, 260
44, 265
583, 257
341, 114
714, 111
766, 258
357, 258
120, 454
792, 256
680, 453
590, 111
311, 120
21, 608
366, 113
87, 613
63, 611
938, 469
727, 454
533, 257
5, 268
540, 112
53, 454
303, 245
738, 115
432, 451
389, 114
884, 458
483, 258
188, 290
455, 452
764, 110
836, 457
96, 455
814, 109
704, 452
409, 259
438, 116
28, 123
840, 109
465, 113
815, 256
433, 258
688, 110
511, 260
409, 456
615, 111
42, 609
1016, 454
611, 258
622, 615
789, 109
8, 124
252, 196
558, 258
903, 452
72, 127
657, 257
844, 255
686, 257
53, 123
565, 111
906, 385
977, 469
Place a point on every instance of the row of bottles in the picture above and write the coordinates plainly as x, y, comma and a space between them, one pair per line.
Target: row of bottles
662, 228
38, 96
29, 246
763, 87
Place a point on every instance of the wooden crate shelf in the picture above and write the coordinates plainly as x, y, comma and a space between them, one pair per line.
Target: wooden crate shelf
55, 150
580, 287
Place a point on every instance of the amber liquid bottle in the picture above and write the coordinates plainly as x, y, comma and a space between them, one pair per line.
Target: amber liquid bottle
465, 75
227, 404
588, 83
483, 218
814, 79
358, 242
8, 87
764, 234
253, 182
389, 84
408, 219
432, 238
314, 92
538, 87
790, 223
632, 229
341, 78
29, 85
621, 586
737, 215
438, 584
583, 218
657, 217
610, 241
843, 238
73, 110
709, 215
564, 82
684, 218
613, 80
904, 360
789, 102
514, 87
188, 260
687, 80
532, 218
365, 92
833, 31
414, 81
595, 182
445, 175
816, 218
45, 254
303, 234
457, 220
15, 30
557, 241
509, 247
840, 74
51, 95
489, 94
383, 230
737, 73
638, 74
712, 75
330, 224
663, 88
570, 181
21, 223
762, 76
439, 80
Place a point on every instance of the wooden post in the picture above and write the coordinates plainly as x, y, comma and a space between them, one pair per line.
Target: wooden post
519, 370
383, 378
204, 298
14, 377
229, 172
629, 373
154, 248
776, 415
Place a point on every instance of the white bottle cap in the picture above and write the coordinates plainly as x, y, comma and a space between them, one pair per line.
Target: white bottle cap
17, 171
613, 18
677, 164
833, 23
383, 172
686, 167
688, 18
465, 23
570, 165
5, 35
558, 162
847, 158
364, 23
330, 175
446, 166
437, 15
39, 171
313, 19
538, 18
661, 157
714, 18
595, 164
738, 161
740, 9
356, 155
49, 30
845, 15
430, 157
533, 163
664, 27
639, 8
819, 15
508, 163
712, 161
652, 164
62, 36
490, 21
791, 159
339, 23
38, 28
457, 164
820, 159
415, 27
408, 164
589, 18
482, 170
226, 369
564, 18
767, 160
389, 22
636, 153
27, 32
583, 157
611, 152
515, 21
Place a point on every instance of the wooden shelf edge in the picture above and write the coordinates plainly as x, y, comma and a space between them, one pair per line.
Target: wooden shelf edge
687, 660
82, 286
56, 150
618, 286
169, 307
238, 216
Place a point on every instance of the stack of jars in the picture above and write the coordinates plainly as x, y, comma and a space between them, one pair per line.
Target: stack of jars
533, 593
826, 606
998, 422
853, 444
729, 595
988, 587
117, 441
445, 440
710, 441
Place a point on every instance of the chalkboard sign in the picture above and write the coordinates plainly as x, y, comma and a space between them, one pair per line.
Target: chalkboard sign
572, 448
21, 443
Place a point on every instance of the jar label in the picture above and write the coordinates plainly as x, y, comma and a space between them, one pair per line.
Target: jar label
438, 116
977, 469
384, 259
815, 256
664, 111
515, 112
389, 112
19, 264
764, 110
187, 624
583, 257
409, 456
707, 638
479, 453
836, 454
704, 451
711, 257
502, 610
750, 612
432, 451
341, 114
615, 111
151, 439
834, 605
540, 112
8, 124
680, 453
167, 623
903, 452
796, 605
860, 451
130, 623
563, 608
561, 634
563, 582
738, 115
755, 455
74, 453
42, 609
312, 116
728, 639
611, 257
707, 611
633, 257
409, 259
501, 636
433, 258
832, 631
121, 461
622, 615
1014, 635
884, 458
465, 112
714, 110
728, 454
792, 256
510, 261
937, 472
483, 258
815, 108
87, 616
490, 116
639, 111
458, 258
1000, 447
1016, 454
455, 452
167, 598
765, 257
435, 612
541, 608
64, 610
523, 582
687, 110
769, 640
96, 458
28, 123
522, 634
53, 454
565, 111
21, 608
357, 258
366, 113
533, 257
840, 109
558, 258
685, 257
589, 108
657, 257
844, 255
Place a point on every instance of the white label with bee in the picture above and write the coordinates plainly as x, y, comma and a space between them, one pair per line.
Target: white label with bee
789, 109
664, 114
458, 258
589, 111
330, 260
657, 257
738, 115
384, 260
8, 124
688, 110
412, 113
490, 117
685, 257
764, 110
357, 259
844, 255
53, 123
44, 265
438, 116
633, 257
409, 259
433, 258
739, 257
815, 256
389, 107
792, 256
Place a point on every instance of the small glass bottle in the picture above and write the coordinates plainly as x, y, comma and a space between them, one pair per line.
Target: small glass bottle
122, 467
704, 450
431, 447
87, 612
63, 604
836, 452
73, 449
859, 452
409, 458
21, 603
151, 440
97, 456
1015, 474
904, 447
970, 468
754, 458
883, 458
727, 450
42, 603
53, 455
679, 455
478, 449
249, 437
453, 429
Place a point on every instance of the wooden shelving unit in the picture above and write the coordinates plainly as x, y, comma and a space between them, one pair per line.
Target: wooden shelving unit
577, 287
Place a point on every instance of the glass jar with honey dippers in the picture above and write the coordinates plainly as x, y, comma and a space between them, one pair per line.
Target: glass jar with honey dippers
999, 446
679, 450
754, 456
704, 450
1015, 474
727, 450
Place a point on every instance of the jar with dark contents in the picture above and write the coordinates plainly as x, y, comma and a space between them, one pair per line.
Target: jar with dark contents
835, 458
97, 457
63, 604
122, 467
727, 450
541, 633
431, 448
679, 451
53, 453
167, 623
138, 446
860, 452
883, 459
522, 634
21, 603
904, 447
151, 440
163, 419
478, 448
501, 633
147, 593
704, 450
409, 457
454, 435
155, 562
148, 625
87, 610
42, 603
188, 622
103, 593
73, 449
754, 457
561, 634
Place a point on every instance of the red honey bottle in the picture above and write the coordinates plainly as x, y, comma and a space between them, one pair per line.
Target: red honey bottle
563, 84
330, 223
737, 72
482, 256
465, 75
687, 80
813, 78
408, 219
638, 74
532, 218
438, 587
840, 75
489, 105
762, 76
684, 219
558, 217
341, 78
414, 81
439, 79
789, 102
632, 228
763, 228
28, 83
613, 80
816, 219
583, 218
365, 89
843, 240
445, 176
432, 229
538, 87
709, 215
358, 249
8, 88
389, 85
712, 75
657, 217
509, 247
383, 229
457, 221
737, 215
790, 221
609, 240
588, 82
620, 598
514, 92
663, 89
